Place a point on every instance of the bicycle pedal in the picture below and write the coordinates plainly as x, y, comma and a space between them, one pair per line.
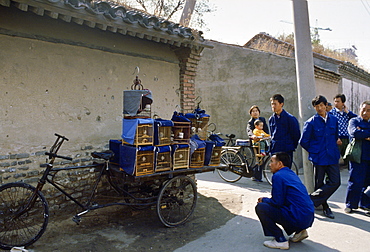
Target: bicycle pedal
77, 219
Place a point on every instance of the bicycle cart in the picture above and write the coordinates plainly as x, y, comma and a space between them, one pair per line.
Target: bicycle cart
24, 211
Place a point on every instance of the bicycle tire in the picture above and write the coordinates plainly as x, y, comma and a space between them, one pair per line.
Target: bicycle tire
248, 155
227, 157
23, 230
177, 201
268, 174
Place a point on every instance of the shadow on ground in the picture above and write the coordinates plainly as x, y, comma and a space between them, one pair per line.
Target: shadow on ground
121, 228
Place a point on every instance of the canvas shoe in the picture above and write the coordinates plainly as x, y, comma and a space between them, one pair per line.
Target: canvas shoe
348, 210
278, 245
297, 237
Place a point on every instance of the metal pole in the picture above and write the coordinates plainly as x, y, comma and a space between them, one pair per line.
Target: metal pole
187, 12
305, 76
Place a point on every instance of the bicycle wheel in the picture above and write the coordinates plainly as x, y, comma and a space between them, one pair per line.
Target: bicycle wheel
17, 228
267, 172
248, 155
228, 157
176, 201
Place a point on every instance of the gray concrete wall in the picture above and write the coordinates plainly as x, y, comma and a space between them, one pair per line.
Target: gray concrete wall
231, 79
74, 88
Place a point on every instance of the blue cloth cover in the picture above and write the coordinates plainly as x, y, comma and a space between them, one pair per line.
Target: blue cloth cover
128, 157
208, 153
217, 139
179, 117
160, 123
129, 127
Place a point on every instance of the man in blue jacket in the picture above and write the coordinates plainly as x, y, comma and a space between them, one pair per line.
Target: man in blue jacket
319, 138
359, 173
290, 205
284, 128
341, 112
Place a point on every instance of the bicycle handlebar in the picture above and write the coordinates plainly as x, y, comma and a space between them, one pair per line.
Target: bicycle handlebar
58, 156
61, 136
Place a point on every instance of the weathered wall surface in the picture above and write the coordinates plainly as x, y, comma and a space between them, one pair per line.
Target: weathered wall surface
231, 79
51, 87
69, 79
356, 93
326, 88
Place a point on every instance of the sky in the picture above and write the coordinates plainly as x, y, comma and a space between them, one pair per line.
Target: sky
237, 21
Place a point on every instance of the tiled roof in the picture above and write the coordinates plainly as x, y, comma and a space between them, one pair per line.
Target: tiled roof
117, 19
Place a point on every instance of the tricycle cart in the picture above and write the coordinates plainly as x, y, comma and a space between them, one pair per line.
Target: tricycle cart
24, 211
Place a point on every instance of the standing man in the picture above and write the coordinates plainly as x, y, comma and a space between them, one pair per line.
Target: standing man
341, 112
359, 173
284, 128
290, 205
319, 139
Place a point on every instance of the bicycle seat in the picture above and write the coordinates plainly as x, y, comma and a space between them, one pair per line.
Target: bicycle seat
106, 155
230, 135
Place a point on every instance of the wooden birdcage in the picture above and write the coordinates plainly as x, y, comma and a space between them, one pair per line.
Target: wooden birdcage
197, 158
138, 160
141, 128
199, 126
180, 156
181, 132
162, 132
215, 156
144, 163
163, 160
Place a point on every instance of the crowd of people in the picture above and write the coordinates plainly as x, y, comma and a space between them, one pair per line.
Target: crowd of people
325, 136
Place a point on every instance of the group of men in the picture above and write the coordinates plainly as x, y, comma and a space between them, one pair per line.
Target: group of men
325, 137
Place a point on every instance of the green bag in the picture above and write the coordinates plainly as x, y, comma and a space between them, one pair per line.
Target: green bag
353, 151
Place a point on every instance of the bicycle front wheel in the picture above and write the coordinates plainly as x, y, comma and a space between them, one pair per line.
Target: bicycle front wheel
267, 172
230, 157
22, 220
176, 201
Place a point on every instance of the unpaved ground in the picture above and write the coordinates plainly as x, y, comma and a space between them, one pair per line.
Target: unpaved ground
120, 228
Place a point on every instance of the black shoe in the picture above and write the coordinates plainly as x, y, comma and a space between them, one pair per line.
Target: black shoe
328, 213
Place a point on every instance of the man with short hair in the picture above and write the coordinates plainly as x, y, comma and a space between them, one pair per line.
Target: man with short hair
341, 112
290, 205
359, 173
319, 139
284, 128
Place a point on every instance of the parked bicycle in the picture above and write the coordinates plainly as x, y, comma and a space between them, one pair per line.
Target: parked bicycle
241, 158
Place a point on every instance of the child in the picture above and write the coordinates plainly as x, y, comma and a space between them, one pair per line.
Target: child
258, 131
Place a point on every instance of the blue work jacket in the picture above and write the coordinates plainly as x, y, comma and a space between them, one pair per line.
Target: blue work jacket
285, 132
319, 138
290, 195
360, 129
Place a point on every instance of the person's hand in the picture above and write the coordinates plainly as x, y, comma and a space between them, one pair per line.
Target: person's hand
254, 137
368, 138
339, 142
259, 200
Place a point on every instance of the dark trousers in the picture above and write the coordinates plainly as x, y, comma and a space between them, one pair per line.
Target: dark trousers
324, 188
359, 180
270, 216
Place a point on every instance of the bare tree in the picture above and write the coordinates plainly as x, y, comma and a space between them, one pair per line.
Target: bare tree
172, 9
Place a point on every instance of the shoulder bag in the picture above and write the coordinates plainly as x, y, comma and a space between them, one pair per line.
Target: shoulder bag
353, 151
